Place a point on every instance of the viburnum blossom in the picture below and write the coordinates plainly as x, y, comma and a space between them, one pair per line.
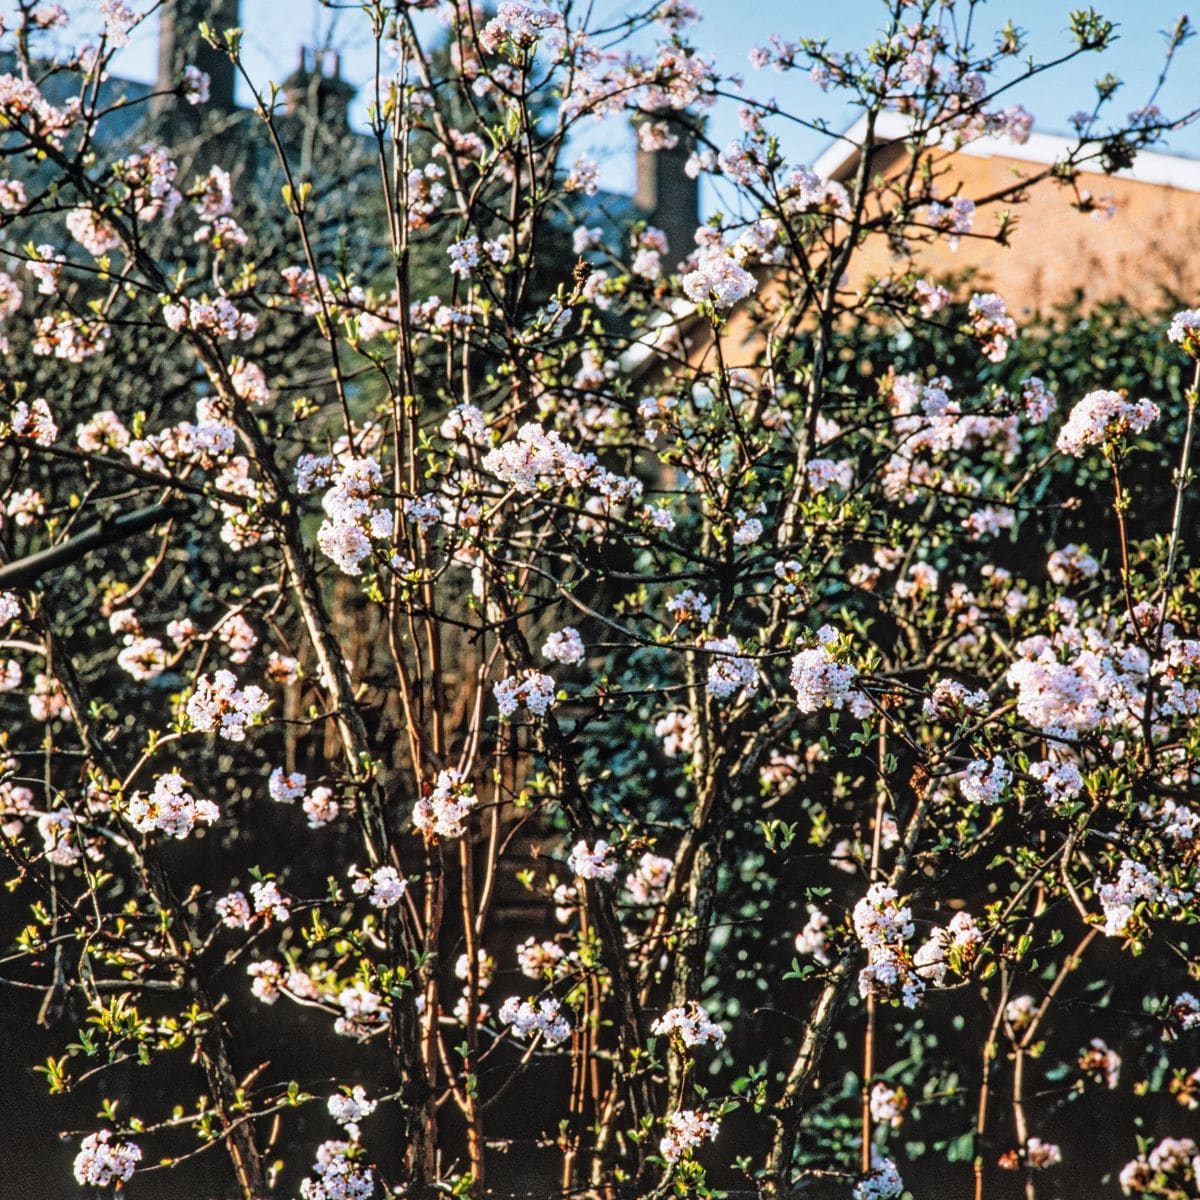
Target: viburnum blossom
339, 1174
592, 862
170, 808
648, 881
1184, 330
883, 1183
991, 325
814, 939
531, 688
821, 681
1102, 417
349, 1107
383, 887
284, 787
884, 927
718, 280
729, 672
564, 646
444, 812
1061, 781
985, 780
105, 1162
692, 1026
1135, 886
219, 704
529, 1019
539, 959
686, 1130
888, 1104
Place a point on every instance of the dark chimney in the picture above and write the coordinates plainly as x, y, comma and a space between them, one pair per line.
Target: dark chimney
180, 45
316, 89
666, 196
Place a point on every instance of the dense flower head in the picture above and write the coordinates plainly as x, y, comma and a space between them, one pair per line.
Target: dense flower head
686, 1130
529, 1019
1101, 417
729, 672
592, 862
692, 1026
648, 881
564, 646
219, 704
531, 688
718, 280
821, 681
103, 1161
883, 1182
170, 808
444, 811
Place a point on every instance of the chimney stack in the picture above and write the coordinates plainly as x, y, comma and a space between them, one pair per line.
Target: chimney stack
180, 45
666, 196
316, 89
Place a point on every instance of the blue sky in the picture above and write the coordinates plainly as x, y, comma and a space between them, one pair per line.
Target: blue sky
275, 30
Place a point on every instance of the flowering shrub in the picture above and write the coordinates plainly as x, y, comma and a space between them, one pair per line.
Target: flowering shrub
690, 774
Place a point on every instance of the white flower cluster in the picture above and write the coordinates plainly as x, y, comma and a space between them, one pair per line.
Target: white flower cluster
888, 1104
678, 733
1061, 781
985, 780
338, 1174
531, 688
1185, 1012
692, 1026
348, 1108
686, 1130
1098, 1059
539, 959
953, 947
690, 606
564, 646
101, 1162
352, 521
1039, 1154
1177, 1157
528, 1020
468, 255
883, 1183
1102, 417
235, 912
592, 863
1184, 330
34, 422
991, 325
539, 457
285, 788
729, 672
813, 940
951, 700
718, 279
1071, 564
465, 425
1134, 885
219, 704
169, 808
649, 880
884, 927
822, 682
383, 887
443, 813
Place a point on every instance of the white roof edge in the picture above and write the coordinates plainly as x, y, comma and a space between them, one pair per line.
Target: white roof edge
1165, 170
657, 331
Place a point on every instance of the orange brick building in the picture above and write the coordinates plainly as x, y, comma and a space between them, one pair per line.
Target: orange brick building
1142, 252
